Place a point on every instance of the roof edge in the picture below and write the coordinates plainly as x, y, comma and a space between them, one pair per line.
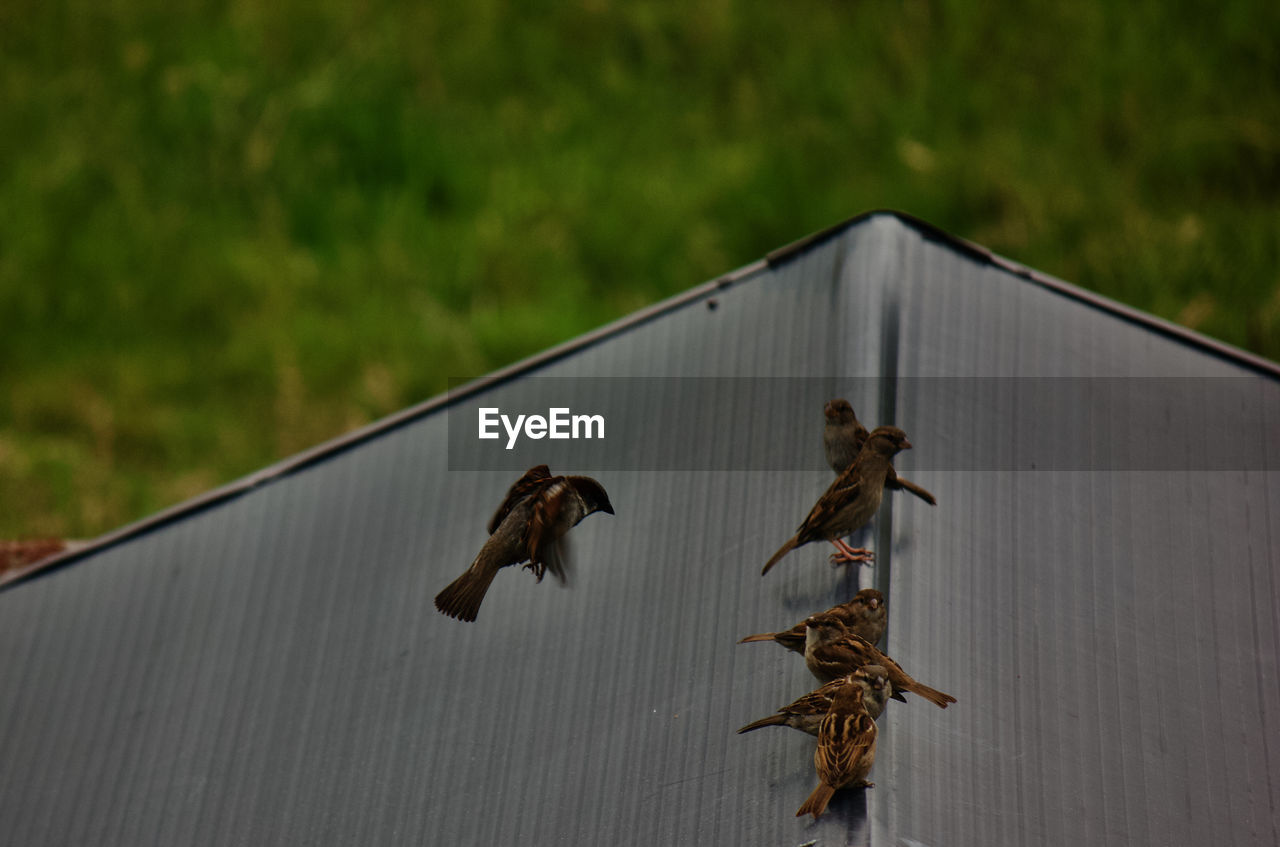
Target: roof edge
772, 259
339, 444
1214, 346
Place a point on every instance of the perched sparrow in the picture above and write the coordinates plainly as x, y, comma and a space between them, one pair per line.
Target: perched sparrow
865, 615
842, 438
876, 688
528, 527
851, 500
807, 713
846, 748
843, 435
831, 652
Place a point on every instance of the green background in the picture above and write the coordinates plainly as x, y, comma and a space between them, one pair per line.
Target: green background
229, 231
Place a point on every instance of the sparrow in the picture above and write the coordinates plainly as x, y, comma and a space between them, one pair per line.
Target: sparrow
528, 527
831, 651
865, 615
846, 748
843, 435
520, 489
806, 714
842, 438
876, 688
851, 500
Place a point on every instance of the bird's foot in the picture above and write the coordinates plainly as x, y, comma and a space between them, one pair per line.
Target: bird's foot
846, 555
840, 559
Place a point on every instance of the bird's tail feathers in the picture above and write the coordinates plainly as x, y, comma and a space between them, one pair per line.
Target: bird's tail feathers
777, 557
933, 695
817, 802
462, 598
772, 720
922, 493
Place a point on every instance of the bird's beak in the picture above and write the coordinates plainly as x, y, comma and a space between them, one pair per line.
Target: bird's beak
906, 445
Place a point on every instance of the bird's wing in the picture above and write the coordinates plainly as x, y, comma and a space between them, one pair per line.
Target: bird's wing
554, 513
533, 479
846, 488
816, 702
843, 740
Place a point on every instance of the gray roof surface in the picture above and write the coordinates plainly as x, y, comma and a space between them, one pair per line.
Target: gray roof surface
1099, 586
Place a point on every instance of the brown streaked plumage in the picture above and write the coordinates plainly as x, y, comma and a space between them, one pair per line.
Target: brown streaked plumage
851, 500
843, 437
832, 652
846, 748
806, 713
865, 615
529, 526
532, 480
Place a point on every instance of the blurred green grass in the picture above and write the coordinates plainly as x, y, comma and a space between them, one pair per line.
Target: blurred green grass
229, 231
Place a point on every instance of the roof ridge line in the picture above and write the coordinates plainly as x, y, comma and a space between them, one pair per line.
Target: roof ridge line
771, 260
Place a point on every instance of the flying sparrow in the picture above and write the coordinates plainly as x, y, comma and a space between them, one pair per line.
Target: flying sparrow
865, 615
532, 480
846, 748
842, 438
831, 651
528, 527
806, 714
851, 500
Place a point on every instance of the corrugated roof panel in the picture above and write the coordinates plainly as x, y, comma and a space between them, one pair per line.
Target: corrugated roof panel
270, 669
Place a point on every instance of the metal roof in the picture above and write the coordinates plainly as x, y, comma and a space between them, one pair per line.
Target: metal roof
1099, 586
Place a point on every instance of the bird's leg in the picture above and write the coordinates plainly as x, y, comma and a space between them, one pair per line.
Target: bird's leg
849, 555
